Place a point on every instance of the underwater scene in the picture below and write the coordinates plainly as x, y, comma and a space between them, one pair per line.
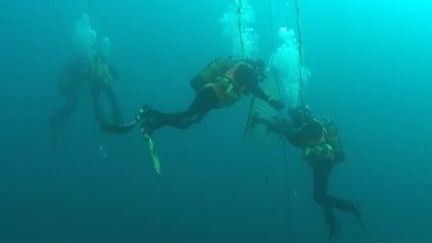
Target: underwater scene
216, 121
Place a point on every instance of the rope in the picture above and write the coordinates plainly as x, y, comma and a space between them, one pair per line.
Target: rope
270, 61
240, 26
285, 159
240, 30
272, 40
366, 230
300, 43
287, 184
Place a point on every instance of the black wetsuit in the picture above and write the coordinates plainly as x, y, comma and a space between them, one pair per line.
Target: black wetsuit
205, 101
321, 174
97, 90
297, 134
220, 91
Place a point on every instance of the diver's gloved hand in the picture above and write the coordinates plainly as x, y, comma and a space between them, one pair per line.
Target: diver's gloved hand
146, 117
142, 113
276, 104
146, 129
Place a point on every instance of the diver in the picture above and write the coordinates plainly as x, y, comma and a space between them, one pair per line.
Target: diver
322, 149
98, 76
219, 85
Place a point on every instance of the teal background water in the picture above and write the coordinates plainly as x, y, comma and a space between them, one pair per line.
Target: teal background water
370, 63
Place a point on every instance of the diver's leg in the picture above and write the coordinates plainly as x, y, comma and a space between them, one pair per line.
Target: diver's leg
345, 205
333, 202
59, 119
116, 113
332, 223
97, 108
321, 175
322, 172
203, 103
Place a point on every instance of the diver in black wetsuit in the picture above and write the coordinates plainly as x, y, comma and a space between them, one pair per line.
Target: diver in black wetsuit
322, 149
221, 84
97, 74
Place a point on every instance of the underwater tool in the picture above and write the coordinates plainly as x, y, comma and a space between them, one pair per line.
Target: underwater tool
274, 87
259, 107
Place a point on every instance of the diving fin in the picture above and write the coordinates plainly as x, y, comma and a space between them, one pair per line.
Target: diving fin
153, 154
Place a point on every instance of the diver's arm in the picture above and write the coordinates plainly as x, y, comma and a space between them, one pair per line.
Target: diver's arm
259, 93
274, 125
281, 127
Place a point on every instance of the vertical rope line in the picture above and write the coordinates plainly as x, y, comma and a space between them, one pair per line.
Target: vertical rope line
300, 45
272, 29
240, 26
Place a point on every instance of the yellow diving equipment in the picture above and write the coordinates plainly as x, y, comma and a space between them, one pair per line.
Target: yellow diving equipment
211, 72
226, 90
